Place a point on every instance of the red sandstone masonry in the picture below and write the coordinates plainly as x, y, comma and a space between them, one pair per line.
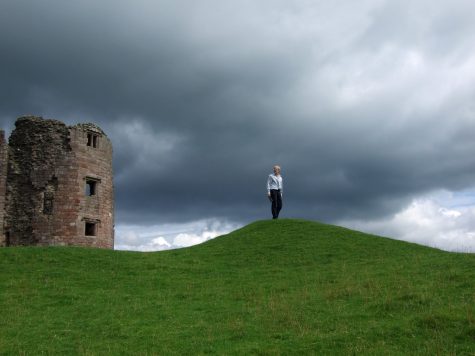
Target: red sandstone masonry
46, 201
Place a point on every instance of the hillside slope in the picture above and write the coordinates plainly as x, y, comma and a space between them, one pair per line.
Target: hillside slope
272, 287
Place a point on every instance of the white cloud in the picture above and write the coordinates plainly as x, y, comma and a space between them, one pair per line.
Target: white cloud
435, 221
156, 244
185, 240
169, 236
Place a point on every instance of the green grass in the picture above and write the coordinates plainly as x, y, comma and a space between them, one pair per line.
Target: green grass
270, 288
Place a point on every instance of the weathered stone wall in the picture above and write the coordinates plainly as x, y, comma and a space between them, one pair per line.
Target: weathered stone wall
94, 164
39, 156
3, 182
46, 201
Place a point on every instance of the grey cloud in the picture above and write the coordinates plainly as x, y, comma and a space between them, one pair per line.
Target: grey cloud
364, 106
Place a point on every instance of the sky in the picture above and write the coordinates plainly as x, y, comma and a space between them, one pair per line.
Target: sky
368, 107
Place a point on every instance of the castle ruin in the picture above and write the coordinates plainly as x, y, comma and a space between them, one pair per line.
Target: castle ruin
56, 185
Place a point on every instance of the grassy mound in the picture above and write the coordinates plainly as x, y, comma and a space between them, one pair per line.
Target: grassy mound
272, 287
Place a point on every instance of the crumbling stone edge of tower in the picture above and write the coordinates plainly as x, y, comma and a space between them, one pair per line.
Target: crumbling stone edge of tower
56, 185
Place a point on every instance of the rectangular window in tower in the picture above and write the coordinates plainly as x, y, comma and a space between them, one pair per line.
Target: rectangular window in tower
90, 228
92, 139
91, 186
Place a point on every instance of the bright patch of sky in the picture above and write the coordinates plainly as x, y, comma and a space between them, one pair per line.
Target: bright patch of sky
444, 220
169, 236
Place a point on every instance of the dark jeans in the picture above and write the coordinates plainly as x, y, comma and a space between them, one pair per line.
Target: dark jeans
276, 199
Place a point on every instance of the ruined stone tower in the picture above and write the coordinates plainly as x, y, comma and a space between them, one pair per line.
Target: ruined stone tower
56, 185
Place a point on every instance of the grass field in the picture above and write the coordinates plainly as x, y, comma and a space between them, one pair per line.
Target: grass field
272, 287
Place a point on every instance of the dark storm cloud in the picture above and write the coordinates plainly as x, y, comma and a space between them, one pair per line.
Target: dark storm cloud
365, 106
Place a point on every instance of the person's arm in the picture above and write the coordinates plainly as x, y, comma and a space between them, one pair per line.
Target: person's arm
282, 187
269, 180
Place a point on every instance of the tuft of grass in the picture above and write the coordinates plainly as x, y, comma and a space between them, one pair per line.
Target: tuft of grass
273, 287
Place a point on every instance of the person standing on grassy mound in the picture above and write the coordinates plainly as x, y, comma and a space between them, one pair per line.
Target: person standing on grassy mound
274, 191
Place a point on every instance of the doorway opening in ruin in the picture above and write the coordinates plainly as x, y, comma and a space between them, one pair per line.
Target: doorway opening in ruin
90, 229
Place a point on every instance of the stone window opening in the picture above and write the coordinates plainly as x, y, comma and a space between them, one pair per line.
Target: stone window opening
90, 228
48, 203
91, 186
92, 140
48, 196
